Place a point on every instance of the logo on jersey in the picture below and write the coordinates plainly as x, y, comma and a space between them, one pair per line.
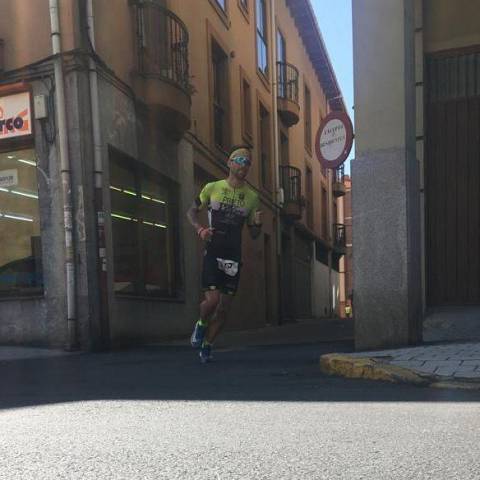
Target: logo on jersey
228, 266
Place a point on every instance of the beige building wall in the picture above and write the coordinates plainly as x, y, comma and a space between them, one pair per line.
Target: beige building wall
450, 25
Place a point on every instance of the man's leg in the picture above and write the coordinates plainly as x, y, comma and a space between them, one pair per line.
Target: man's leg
219, 319
209, 304
207, 308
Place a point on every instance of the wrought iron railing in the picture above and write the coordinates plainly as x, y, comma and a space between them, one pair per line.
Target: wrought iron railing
339, 235
287, 81
291, 182
162, 44
339, 174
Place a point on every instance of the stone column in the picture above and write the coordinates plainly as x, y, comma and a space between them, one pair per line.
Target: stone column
386, 211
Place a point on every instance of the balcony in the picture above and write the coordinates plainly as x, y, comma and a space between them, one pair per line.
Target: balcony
162, 78
287, 93
338, 185
339, 238
291, 183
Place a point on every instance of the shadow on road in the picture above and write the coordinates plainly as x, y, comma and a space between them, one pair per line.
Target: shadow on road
275, 373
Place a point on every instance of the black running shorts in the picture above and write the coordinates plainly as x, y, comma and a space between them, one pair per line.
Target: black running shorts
221, 274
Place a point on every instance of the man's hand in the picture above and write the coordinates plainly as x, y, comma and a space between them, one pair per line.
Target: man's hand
258, 218
205, 233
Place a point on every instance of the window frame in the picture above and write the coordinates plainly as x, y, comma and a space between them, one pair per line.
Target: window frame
307, 117
12, 146
309, 197
244, 6
264, 75
268, 185
213, 39
223, 13
247, 117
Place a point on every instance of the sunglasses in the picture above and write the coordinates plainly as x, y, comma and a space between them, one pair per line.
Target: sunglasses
243, 161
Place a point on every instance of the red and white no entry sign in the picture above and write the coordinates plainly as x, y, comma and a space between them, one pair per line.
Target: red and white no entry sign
334, 139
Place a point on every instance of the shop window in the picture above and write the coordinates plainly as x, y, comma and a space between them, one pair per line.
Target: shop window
20, 252
144, 223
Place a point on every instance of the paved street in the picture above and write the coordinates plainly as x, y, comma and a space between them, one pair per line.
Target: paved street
257, 413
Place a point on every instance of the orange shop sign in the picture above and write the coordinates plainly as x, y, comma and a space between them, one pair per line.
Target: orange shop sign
15, 115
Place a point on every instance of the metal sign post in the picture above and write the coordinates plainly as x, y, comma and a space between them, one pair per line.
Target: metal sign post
333, 144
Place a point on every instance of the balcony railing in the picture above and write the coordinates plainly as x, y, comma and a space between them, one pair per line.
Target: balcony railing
287, 81
340, 174
291, 183
162, 44
338, 185
339, 236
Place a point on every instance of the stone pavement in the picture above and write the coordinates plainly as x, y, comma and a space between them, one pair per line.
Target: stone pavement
441, 365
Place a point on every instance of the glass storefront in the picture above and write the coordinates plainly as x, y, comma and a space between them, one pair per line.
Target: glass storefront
20, 245
144, 214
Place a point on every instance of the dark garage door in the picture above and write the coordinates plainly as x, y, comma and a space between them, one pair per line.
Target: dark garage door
452, 179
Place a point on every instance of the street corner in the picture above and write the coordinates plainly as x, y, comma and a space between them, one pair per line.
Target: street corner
377, 368
349, 366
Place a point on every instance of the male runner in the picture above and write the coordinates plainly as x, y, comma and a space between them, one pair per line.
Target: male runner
231, 203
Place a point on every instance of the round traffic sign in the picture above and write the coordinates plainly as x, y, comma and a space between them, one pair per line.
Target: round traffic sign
334, 139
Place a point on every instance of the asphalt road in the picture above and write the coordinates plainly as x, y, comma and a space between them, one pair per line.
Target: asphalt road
257, 413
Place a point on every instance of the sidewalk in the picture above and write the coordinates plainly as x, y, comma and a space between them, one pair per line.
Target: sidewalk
299, 332
28, 353
453, 365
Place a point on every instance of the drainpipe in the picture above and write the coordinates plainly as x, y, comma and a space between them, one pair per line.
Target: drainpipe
65, 177
276, 150
98, 180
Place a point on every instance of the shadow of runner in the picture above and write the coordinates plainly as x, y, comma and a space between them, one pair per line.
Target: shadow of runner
275, 373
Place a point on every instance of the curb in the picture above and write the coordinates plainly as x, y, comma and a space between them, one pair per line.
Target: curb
372, 369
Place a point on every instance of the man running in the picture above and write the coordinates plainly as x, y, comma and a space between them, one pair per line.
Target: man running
231, 203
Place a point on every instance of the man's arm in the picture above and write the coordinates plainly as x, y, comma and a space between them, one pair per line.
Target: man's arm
204, 233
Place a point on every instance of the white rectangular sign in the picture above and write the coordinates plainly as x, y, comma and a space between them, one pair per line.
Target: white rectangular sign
15, 116
8, 178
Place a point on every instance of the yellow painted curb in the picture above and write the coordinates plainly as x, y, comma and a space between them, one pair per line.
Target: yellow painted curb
371, 369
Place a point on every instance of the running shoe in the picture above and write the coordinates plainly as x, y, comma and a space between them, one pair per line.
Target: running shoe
198, 334
205, 353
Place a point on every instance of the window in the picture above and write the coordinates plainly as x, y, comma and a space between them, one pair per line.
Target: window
246, 110
262, 44
324, 213
21, 252
222, 4
309, 196
308, 119
264, 148
144, 213
284, 150
220, 95
322, 168
282, 67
